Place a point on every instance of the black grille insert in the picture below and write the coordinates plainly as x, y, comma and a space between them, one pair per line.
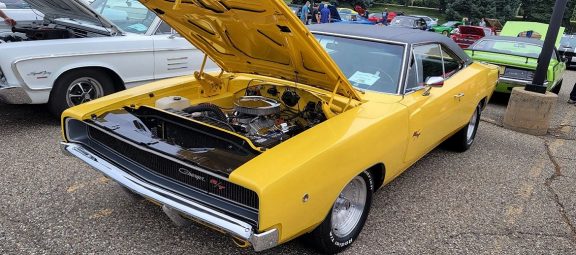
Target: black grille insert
176, 171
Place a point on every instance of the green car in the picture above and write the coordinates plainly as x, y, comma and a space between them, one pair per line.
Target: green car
446, 28
517, 57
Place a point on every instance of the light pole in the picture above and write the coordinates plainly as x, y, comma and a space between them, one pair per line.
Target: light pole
548, 48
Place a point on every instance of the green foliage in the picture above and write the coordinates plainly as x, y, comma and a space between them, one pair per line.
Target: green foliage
475, 10
541, 11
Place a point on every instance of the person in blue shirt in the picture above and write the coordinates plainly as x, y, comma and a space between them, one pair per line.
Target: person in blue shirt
385, 17
324, 14
305, 12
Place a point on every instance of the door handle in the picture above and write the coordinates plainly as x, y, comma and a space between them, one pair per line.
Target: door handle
459, 96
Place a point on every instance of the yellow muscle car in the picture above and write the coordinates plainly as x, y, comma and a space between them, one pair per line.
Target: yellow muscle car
295, 133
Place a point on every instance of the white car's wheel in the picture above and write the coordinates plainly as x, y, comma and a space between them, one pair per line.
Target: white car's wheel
346, 218
77, 87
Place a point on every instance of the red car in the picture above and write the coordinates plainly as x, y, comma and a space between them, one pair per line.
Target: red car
377, 17
465, 36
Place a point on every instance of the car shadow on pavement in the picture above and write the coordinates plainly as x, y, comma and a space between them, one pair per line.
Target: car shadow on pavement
26, 115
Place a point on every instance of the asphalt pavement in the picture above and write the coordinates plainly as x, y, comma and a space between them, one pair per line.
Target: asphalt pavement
511, 193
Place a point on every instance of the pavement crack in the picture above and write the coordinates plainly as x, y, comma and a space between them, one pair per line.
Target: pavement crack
491, 121
548, 183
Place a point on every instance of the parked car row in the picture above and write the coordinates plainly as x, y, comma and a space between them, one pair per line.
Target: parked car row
265, 148
266, 151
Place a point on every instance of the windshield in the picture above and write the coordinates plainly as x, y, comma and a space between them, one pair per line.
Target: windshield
509, 47
402, 22
367, 65
129, 15
568, 41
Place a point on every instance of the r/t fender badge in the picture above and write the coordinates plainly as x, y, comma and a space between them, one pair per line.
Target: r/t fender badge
416, 134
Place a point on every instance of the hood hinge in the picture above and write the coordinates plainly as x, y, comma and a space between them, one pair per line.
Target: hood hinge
211, 85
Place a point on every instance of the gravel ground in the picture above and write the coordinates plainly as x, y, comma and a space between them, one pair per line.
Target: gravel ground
511, 193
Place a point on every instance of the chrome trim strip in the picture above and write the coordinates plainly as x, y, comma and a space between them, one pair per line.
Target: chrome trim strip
23, 84
182, 204
517, 81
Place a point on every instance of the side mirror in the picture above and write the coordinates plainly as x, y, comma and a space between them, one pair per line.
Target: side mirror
434, 81
564, 59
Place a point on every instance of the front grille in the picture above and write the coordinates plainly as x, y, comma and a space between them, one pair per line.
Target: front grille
516, 73
176, 171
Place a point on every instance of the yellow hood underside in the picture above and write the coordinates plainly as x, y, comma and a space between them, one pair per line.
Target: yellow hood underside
260, 37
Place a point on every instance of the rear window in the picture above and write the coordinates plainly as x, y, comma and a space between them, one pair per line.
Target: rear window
516, 48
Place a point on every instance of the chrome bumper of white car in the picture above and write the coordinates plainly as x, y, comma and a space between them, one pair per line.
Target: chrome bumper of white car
196, 211
14, 95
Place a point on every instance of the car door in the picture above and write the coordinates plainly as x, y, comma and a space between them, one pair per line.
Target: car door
174, 55
434, 110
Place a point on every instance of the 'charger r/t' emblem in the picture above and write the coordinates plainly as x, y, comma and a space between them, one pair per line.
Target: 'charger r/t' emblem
416, 134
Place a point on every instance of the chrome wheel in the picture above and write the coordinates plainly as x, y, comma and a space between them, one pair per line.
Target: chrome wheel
83, 90
472, 127
348, 208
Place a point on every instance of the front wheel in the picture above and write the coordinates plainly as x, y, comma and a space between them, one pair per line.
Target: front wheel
445, 32
346, 218
463, 139
77, 87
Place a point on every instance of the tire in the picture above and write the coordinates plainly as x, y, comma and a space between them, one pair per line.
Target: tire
445, 32
464, 138
78, 86
556, 89
344, 222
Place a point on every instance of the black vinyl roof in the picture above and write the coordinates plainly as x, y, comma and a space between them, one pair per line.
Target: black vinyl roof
393, 34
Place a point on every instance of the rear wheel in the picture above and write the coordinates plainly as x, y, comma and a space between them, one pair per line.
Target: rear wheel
77, 87
445, 32
347, 217
463, 139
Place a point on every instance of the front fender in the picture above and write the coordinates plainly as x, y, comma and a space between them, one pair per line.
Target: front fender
320, 162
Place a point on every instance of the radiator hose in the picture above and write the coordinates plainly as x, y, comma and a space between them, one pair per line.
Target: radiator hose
218, 113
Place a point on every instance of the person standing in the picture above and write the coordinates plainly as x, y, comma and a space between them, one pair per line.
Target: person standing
315, 14
385, 17
9, 21
304, 12
324, 14
572, 99
482, 23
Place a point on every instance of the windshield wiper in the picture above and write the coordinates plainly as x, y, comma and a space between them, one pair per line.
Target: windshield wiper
359, 90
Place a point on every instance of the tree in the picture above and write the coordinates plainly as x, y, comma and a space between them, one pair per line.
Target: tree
475, 10
541, 11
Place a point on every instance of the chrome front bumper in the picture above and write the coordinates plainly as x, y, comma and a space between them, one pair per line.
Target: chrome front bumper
14, 95
193, 210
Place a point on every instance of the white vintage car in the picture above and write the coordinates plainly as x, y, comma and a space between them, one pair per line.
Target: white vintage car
80, 52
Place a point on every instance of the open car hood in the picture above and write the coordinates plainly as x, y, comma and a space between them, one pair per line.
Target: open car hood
471, 30
516, 28
72, 9
259, 36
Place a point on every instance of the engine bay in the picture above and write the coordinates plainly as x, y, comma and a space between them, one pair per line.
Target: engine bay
41, 31
265, 114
